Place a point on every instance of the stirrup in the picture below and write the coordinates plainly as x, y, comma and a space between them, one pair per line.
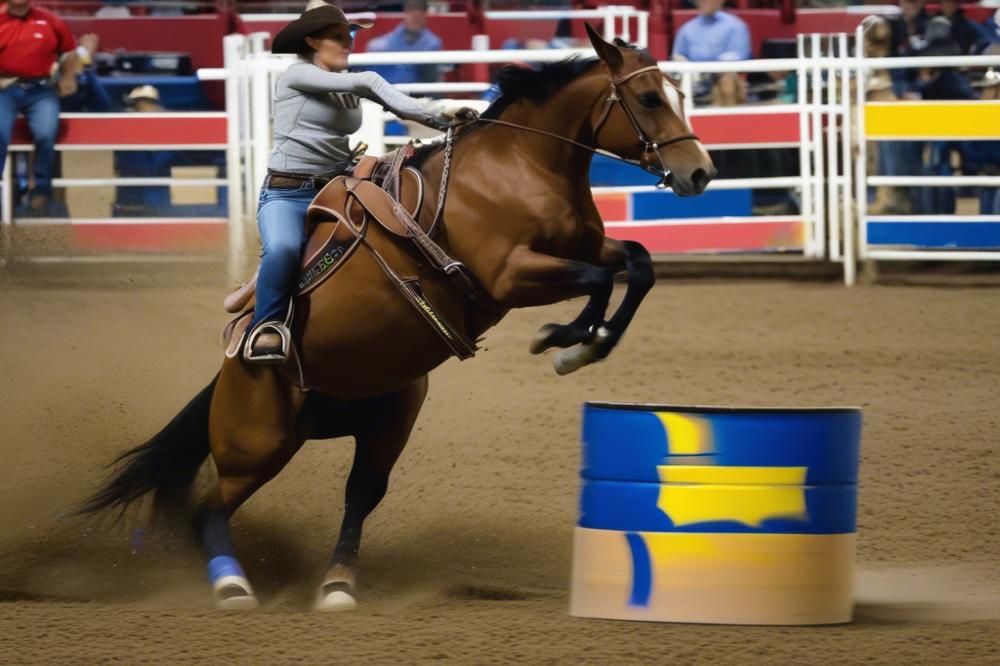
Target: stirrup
282, 329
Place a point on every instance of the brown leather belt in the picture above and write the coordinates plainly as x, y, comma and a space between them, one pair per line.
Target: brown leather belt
280, 180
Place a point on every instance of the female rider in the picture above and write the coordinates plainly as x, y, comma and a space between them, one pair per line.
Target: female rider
316, 107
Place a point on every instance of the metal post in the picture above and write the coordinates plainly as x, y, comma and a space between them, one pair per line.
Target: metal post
246, 139
805, 151
847, 196
687, 87
260, 120
819, 235
7, 207
642, 36
232, 46
372, 130
861, 166
833, 175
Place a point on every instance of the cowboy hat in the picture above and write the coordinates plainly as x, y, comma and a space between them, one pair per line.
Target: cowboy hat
938, 40
142, 92
316, 17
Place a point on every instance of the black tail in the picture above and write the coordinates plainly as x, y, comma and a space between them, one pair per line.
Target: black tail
166, 464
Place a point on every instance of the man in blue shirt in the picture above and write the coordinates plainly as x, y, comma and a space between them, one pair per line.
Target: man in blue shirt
410, 35
713, 35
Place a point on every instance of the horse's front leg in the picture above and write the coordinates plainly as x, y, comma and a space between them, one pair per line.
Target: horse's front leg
583, 328
639, 267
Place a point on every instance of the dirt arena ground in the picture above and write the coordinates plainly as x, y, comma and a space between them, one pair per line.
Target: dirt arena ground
467, 559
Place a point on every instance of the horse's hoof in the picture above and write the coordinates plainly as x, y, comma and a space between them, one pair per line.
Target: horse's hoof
234, 593
335, 600
572, 359
541, 341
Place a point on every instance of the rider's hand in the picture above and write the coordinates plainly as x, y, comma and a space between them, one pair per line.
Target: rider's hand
444, 119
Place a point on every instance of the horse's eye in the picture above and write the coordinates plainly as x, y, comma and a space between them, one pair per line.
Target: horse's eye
650, 100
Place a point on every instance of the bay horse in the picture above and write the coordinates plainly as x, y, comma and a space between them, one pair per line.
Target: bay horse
519, 215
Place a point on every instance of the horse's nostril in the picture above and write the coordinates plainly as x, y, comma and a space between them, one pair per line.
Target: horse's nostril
699, 179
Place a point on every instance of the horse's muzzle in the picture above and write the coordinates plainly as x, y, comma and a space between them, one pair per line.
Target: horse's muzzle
693, 184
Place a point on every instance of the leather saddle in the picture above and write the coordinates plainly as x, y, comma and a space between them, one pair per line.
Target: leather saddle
382, 192
335, 218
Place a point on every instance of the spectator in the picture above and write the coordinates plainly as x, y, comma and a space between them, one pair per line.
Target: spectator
903, 158
113, 9
90, 95
33, 39
877, 35
144, 99
940, 83
713, 35
980, 157
971, 37
908, 28
877, 44
983, 157
992, 25
411, 34
563, 37
156, 200
146, 200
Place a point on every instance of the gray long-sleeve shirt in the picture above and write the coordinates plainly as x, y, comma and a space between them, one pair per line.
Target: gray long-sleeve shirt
316, 110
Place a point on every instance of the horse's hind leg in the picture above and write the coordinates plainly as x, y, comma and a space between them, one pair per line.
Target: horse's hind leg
383, 426
253, 434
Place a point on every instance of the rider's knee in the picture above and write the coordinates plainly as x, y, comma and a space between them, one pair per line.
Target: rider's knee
283, 249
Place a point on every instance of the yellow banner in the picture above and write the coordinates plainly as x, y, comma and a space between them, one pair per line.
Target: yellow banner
933, 120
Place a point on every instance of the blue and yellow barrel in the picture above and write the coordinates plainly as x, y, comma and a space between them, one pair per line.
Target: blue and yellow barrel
721, 515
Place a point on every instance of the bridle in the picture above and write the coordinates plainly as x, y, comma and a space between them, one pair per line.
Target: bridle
614, 97
650, 145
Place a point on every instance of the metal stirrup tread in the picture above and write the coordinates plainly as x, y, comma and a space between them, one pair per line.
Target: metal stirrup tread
282, 329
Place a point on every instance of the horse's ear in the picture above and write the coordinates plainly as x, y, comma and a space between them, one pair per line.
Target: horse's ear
609, 53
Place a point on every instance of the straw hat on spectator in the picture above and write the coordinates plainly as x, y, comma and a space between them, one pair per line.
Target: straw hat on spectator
317, 16
146, 92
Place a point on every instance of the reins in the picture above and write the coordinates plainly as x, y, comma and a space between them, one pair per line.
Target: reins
649, 144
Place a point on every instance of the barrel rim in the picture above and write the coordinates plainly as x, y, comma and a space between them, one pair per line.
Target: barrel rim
716, 409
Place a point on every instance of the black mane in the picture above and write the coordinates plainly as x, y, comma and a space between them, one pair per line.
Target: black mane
516, 83
538, 85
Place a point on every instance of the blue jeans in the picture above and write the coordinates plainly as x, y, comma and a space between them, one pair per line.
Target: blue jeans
902, 158
281, 220
40, 105
938, 200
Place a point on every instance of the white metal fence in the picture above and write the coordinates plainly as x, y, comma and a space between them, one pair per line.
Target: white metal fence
826, 123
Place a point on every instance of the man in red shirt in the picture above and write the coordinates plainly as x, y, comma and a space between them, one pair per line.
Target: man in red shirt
31, 42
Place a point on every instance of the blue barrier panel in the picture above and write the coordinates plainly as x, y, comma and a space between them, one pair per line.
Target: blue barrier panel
607, 172
940, 234
714, 203
758, 509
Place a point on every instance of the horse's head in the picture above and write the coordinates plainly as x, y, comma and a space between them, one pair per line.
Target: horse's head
642, 118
